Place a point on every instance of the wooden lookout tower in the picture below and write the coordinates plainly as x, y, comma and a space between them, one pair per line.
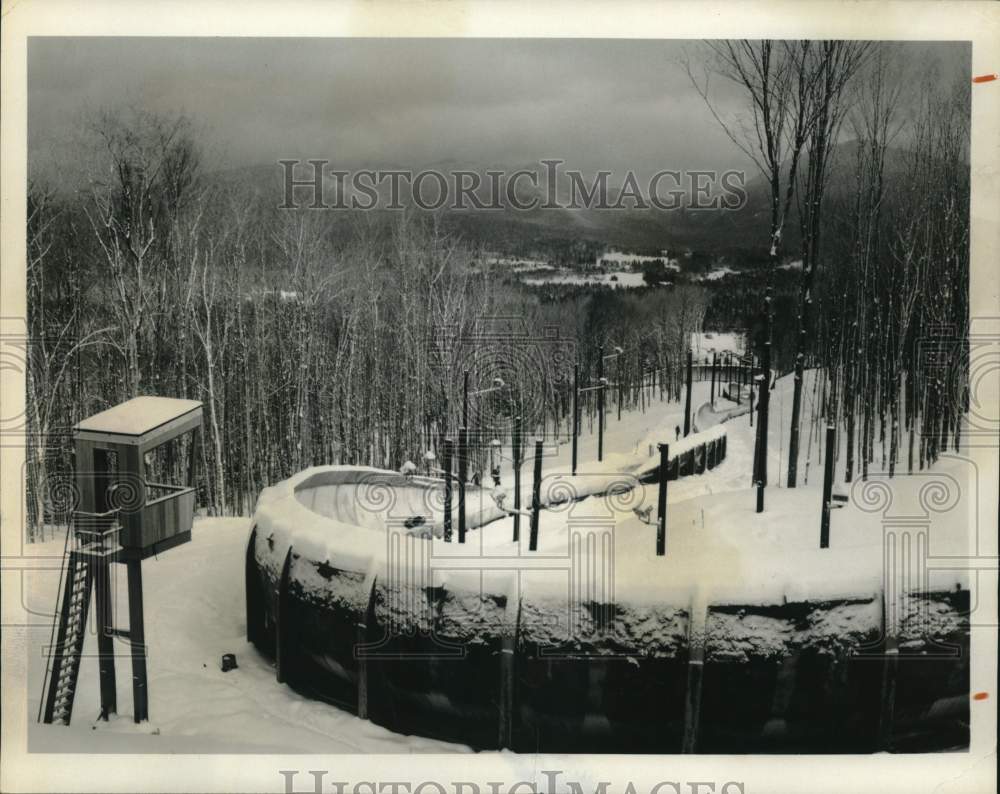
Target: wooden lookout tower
121, 517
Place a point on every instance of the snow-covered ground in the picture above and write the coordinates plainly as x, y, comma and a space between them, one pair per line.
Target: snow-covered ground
718, 551
623, 279
516, 265
704, 342
717, 273
632, 260
195, 612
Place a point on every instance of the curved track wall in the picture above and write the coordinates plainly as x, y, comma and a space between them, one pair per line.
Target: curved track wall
360, 618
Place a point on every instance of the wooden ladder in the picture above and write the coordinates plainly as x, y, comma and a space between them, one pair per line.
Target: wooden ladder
64, 656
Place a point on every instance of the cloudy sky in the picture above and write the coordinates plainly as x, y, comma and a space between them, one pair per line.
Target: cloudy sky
595, 103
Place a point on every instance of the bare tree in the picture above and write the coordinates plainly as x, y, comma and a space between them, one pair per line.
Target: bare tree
57, 337
139, 186
777, 79
830, 66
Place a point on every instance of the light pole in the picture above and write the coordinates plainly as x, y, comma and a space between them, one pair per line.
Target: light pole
715, 360
498, 384
602, 386
515, 460
448, 444
465, 399
600, 403
463, 445
824, 526
516, 453
661, 513
687, 402
600, 372
763, 401
599, 388
738, 377
576, 410
536, 502
446, 472
463, 474
495, 446
621, 392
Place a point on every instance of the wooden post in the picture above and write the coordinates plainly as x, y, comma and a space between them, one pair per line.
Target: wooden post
105, 636
193, 460
763, 399
363, 639
695, 674
463, 462
692, 701
824, 524
600, 403
576, 411
281, 629
254, 605
536, 488
890, 676
621, 391
508, 651
687, 402
465, 399
516, 455
642, 387
661, 515
103, 481
137, 639
446, 465
715, 360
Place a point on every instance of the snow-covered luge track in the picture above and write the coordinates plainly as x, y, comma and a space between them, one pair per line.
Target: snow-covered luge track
592, 640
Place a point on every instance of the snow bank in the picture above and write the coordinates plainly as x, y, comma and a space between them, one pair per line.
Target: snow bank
340, 515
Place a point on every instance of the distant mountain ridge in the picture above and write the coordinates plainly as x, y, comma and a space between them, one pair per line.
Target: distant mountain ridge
711, 231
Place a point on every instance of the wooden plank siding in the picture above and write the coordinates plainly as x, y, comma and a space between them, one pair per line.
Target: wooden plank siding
145, 521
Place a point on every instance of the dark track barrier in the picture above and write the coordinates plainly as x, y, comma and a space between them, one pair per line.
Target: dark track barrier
803, 696
492, 668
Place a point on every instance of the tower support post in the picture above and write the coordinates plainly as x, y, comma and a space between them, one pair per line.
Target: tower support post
137, 639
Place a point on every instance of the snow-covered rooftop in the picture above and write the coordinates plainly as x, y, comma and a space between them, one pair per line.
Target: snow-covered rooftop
138, 416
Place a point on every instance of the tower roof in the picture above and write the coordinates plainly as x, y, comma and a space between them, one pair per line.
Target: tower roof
142, 420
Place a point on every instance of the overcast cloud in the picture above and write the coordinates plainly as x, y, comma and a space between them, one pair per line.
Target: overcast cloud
595, 103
